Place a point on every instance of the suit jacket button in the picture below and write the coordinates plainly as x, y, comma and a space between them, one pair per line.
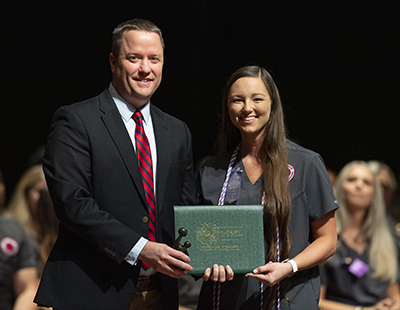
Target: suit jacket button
145, 219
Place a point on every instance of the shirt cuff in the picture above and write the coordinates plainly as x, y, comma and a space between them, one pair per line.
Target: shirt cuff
132, 257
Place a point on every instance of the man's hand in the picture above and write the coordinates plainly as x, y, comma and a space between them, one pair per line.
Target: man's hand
165, 259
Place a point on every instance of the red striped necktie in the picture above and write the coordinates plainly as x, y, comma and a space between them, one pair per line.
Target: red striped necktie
146, 169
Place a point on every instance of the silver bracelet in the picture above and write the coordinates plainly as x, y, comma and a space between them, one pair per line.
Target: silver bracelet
358, 308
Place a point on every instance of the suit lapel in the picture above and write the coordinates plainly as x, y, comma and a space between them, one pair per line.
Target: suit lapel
163, 142
112, 120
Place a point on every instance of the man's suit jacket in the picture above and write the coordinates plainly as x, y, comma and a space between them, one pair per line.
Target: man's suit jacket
93, 176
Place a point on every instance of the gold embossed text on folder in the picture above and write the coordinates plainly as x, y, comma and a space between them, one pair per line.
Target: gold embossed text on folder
224, 235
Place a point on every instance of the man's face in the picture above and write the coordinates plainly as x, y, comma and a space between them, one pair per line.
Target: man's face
137, 71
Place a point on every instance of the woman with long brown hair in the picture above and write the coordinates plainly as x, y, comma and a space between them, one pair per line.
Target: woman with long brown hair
292, 184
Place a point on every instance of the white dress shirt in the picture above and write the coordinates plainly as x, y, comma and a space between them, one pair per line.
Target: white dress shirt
127, 110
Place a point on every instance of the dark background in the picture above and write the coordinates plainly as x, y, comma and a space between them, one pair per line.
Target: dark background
336, 64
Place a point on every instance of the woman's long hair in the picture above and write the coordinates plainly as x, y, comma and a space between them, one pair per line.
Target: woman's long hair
18, 207
374, 228
46, 225
273, 155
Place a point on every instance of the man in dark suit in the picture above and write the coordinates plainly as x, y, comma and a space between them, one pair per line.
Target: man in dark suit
98, 190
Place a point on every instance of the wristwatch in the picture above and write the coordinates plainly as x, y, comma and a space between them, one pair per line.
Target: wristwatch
294, 266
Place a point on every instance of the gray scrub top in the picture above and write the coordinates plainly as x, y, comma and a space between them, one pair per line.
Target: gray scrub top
15, 254
312, 197
345, 287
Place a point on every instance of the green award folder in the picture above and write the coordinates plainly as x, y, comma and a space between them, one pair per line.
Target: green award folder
224, 235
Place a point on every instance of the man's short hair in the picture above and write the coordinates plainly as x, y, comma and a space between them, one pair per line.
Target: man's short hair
133, 24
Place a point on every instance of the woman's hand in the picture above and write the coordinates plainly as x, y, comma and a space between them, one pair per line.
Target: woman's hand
271, 273
385, 304
219, 274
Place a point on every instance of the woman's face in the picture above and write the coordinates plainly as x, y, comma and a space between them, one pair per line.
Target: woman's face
358, 187
249, 105
33, 196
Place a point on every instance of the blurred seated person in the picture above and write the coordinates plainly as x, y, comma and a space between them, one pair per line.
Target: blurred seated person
46, 225
362, 274
23, 203
18, 274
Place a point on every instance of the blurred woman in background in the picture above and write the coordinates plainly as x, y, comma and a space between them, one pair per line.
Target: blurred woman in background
23, 205
24, 200
362, 274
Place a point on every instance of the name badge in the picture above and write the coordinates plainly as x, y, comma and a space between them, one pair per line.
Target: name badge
358, 267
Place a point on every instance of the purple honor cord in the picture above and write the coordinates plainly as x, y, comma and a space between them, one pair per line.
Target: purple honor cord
217, 288
278, 288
